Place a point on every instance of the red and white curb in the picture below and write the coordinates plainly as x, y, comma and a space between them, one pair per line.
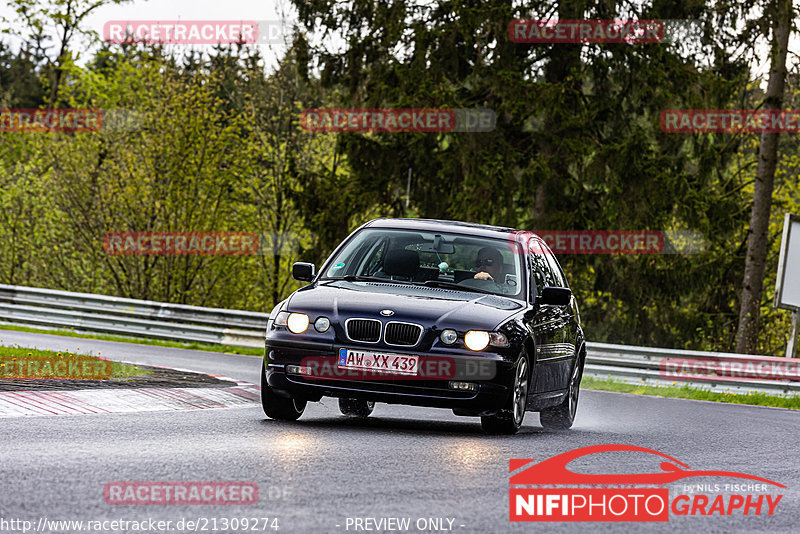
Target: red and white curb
31, 403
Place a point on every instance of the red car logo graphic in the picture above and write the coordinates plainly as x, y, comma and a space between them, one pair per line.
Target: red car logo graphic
554, 470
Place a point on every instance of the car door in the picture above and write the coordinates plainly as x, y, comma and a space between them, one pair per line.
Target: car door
554, 353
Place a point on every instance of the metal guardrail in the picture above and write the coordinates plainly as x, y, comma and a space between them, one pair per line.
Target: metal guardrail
85, 312
646, 366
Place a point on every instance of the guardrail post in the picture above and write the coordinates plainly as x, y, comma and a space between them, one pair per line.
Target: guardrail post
791, 346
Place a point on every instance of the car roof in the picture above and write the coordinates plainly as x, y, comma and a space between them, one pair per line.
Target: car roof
438, 225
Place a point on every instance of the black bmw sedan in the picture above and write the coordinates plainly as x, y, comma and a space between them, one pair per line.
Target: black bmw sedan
477, 319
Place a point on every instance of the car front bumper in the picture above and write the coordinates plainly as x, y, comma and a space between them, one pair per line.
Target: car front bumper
490, 396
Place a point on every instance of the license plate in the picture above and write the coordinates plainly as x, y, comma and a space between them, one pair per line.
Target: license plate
384, 362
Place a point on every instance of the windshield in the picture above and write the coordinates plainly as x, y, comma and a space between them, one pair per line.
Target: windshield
456, 261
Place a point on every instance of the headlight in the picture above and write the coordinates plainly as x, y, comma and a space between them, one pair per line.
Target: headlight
297, 322
448, 336
322, 324
476, 339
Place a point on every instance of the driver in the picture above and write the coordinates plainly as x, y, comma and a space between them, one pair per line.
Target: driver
489, 265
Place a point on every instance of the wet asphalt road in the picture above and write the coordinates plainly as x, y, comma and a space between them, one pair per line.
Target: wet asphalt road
325, 471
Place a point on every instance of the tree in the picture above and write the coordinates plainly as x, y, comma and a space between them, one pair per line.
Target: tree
19, 79
273, 152
58, 21
779, 15
172, 171
577, 144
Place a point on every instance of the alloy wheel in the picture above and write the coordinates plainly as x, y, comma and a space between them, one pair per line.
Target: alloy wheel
520, 390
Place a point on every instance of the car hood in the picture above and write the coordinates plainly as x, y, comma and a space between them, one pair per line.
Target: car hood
430, 306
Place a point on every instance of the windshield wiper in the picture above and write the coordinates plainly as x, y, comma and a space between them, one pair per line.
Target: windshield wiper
452, 285
428, 283
359, 278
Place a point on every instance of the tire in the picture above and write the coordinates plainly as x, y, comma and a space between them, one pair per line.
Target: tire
509, 420
562, 416
276, 407
356, 407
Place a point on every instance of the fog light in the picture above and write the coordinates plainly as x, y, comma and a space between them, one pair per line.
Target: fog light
448, 336
464, 386
297, 370
476, 339
297, 322
322, 324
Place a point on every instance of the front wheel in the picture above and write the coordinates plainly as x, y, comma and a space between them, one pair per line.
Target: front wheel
276, 407
509, 420
356, 407
562, 416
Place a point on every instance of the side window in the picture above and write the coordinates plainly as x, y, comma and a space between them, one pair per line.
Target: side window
539, 268
558, 275
546, 270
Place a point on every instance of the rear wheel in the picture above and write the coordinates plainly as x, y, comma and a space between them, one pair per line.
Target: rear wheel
276, 407
562, 416
509, 420
356, 407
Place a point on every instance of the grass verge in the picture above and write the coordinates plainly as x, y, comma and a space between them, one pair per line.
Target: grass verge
20, 362
687, 392
229, 349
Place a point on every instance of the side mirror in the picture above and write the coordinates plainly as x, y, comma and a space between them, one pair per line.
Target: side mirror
303, 271
556, 296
